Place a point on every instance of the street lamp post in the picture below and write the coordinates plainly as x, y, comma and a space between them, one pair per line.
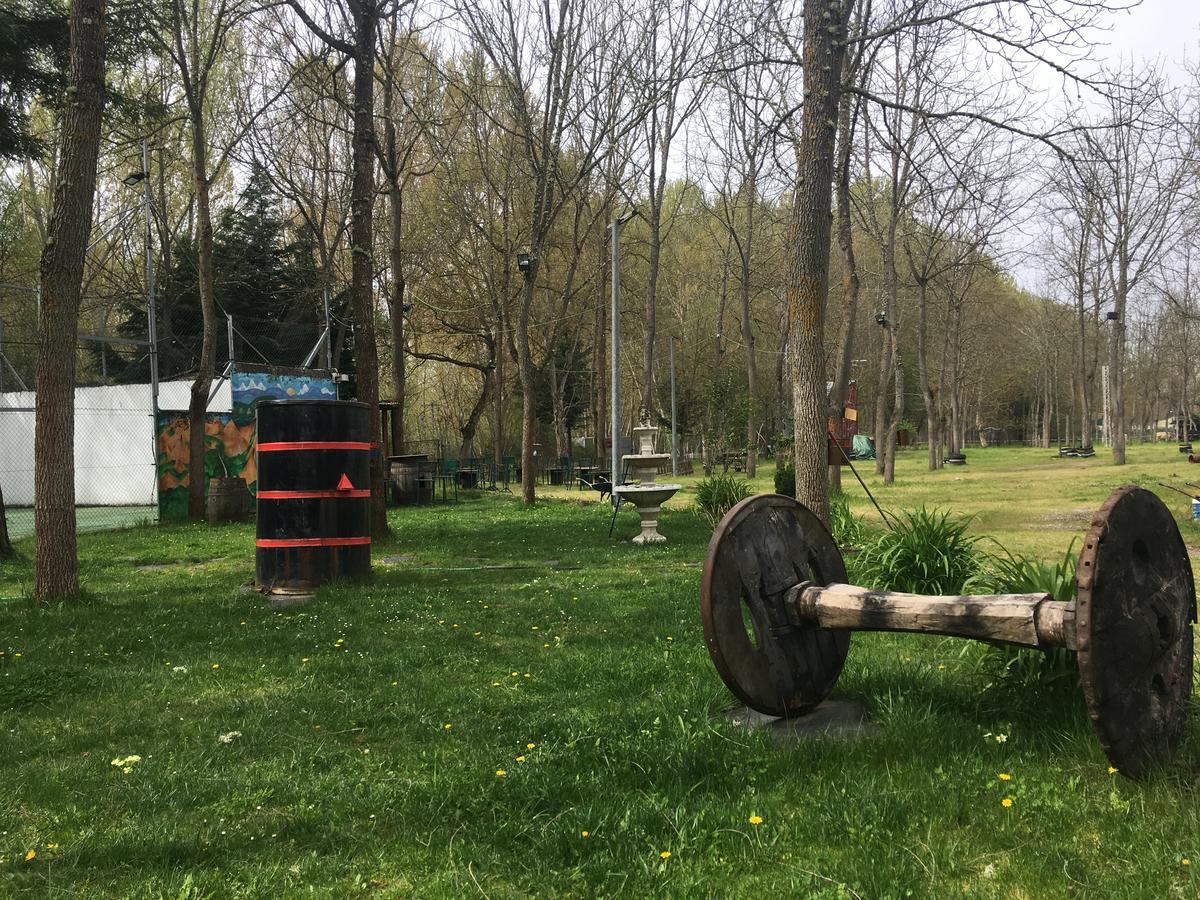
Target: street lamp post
615, 239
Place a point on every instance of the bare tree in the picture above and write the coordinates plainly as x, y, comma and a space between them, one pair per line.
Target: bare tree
359, 20
809, 242
56, 566
1143, 164
677, 33
567, 100
741, 137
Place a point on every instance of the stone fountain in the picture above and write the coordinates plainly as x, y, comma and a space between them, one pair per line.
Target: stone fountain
644, 492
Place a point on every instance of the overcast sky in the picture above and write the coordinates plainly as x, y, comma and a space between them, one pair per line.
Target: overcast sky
1157, 29
1167, 28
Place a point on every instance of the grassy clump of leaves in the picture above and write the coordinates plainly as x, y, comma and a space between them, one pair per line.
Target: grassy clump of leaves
848, 529
718, 494
1010, 573
927, 551
785, 481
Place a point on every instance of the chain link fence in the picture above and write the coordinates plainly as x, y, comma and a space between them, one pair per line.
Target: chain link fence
122, 459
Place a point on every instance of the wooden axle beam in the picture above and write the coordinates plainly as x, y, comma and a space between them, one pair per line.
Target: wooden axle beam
1024, 620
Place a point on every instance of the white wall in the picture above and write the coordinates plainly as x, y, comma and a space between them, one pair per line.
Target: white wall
115, 456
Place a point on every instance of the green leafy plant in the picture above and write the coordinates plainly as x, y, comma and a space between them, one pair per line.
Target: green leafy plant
1009, 573
718, 494
848, 529
926, 552
785, 481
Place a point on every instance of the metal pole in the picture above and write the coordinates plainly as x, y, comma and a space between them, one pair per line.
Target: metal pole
328, 332
229, 333
151, 312
1, 356
615, 238
674, 432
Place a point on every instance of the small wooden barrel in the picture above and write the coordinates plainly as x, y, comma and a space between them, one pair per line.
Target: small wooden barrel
314, 493
228, 500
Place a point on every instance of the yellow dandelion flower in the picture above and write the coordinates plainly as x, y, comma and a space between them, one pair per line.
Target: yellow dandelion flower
520, 759
755, 820
495, 684
527, 675
1006, 802
500, 773
530, 745
216, 665
448, 726
669, 638
476, 633
1183, 862
534, 628
52, 846
584, 834
666, 854
515, 674
30, 855
1112, 770
1004, 776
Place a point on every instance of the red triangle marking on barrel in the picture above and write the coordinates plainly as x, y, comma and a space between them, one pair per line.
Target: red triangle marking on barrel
344, 484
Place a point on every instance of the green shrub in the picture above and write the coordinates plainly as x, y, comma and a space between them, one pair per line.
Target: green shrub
848, 529
785, 480
1008, 573
718, 494
926, 552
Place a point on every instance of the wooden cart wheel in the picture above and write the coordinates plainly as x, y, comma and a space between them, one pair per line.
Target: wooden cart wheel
1135, 602
764, 546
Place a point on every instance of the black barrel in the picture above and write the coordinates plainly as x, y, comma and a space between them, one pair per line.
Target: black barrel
314, 493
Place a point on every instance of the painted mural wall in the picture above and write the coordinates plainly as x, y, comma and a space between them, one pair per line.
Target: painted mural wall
229, 437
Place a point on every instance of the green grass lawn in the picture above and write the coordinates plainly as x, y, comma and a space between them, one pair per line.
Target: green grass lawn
355, 745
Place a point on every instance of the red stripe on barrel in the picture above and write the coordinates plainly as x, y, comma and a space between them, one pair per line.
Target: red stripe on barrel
277, 446
313, 495
313, 542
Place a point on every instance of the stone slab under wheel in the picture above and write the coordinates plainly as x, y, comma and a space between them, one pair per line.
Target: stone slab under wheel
764, 546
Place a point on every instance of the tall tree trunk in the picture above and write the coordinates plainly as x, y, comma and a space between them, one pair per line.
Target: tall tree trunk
956, 416
503, 336
469, 428
198, 403
396, 299
850, 279
6, 547
893, 432
1116, 363
923, 369
600, 350
528, 386
807, 283
56, 567
362, 269
651, 326
558, 404
751, 188
498, 393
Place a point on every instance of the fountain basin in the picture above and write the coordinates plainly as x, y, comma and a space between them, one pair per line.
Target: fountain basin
648, 498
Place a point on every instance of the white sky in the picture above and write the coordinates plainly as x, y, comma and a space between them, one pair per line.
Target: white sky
1168, 30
